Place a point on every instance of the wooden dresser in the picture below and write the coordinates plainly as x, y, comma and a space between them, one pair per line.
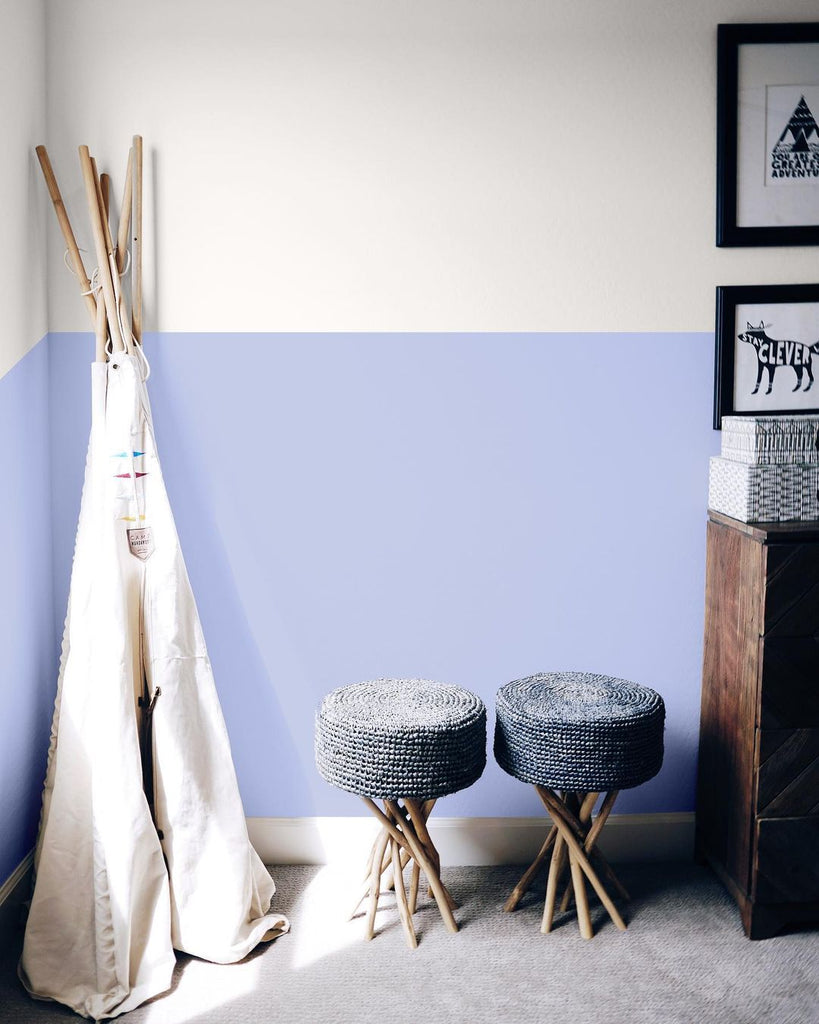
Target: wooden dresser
758, 787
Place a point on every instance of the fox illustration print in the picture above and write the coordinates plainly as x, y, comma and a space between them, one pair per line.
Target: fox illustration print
771, 353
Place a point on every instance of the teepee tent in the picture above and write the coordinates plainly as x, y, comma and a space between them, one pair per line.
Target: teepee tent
143, 847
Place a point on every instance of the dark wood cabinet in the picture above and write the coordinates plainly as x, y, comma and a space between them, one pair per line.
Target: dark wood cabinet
758, 781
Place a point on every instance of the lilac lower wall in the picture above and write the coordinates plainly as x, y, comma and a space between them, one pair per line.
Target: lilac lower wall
27, 635
471, 508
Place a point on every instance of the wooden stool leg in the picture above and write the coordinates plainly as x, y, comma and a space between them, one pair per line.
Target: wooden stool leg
400, 892
405, 857
423, 861
604, 897
555, 871
427, 809
567, 826
529, 874
386, 862
389, 881
602, 816
375, 882
399, 827
419, 821
419, 814
587, 802
415, 878
605, 810
589, 846
580, 897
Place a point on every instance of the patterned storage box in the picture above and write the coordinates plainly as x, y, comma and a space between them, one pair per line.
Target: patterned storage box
770, 440
763, 493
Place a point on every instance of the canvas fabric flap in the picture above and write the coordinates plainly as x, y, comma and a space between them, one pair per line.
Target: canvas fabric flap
119, 884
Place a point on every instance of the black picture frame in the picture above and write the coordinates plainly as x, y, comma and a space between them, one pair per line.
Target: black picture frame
727, 342
729, 40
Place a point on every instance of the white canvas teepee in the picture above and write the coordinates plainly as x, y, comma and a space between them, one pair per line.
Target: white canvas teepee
143, 846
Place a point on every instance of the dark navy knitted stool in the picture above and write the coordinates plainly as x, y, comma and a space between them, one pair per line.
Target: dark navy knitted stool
405, 742
575, 735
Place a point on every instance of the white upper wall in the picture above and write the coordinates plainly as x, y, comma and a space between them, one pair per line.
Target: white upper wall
409, 165
23, 319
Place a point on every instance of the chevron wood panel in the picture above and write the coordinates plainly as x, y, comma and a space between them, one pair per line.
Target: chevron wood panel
758, 796
792, 590
787, 868
789, 694
788, 778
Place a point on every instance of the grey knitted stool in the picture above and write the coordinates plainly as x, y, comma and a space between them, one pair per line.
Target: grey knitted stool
575, 735
405, 742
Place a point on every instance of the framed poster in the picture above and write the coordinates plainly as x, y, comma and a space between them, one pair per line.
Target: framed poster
767, 351
767, 134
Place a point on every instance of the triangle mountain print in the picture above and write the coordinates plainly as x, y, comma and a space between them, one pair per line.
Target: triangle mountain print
796, 153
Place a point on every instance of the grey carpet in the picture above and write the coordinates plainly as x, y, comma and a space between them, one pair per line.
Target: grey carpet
683, 960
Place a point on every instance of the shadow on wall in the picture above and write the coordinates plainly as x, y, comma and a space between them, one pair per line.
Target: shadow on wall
248, 695
469, 508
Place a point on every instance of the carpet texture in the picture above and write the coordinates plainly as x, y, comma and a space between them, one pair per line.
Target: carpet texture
683, 960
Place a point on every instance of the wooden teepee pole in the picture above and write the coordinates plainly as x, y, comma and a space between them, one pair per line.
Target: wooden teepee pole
105, 190
125, 212
94, 210
68, 234
102, 203
116, 253
136, 249
101, 326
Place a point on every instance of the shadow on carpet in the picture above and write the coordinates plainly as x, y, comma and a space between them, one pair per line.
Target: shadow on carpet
683, 960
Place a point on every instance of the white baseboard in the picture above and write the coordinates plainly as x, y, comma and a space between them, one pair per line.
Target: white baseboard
470, 841
13, 893
460, 841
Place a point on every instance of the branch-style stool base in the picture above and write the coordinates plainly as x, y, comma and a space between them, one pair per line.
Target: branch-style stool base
404, 839
573, 837
575, 735
385, 740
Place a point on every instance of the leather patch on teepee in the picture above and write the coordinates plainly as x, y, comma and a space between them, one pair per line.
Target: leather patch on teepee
141, 542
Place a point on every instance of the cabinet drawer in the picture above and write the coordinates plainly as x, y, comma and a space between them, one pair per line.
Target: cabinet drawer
789, 683
787, 868
788, 773
791, 590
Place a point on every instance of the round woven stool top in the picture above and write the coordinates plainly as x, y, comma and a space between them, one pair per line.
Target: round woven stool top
394, 738
578, 730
